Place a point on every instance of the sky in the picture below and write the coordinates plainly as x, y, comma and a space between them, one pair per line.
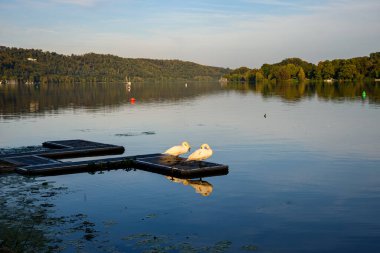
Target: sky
222, 33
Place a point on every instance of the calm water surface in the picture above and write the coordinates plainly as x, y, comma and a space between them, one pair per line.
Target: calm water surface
304, 179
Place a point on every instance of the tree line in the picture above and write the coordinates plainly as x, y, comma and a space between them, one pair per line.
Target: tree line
299, 70
32, 65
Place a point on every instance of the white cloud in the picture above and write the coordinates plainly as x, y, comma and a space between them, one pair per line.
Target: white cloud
273, 2
78, 2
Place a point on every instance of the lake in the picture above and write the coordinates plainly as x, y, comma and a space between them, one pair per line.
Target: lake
304, 178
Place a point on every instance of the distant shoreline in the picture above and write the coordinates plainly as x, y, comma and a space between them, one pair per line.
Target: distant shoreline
296, 69
32, 66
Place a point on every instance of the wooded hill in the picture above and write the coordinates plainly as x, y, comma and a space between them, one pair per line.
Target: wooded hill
297, 69
37, 66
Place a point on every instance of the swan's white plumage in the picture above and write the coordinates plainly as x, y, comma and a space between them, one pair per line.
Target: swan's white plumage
201, 154
178, 150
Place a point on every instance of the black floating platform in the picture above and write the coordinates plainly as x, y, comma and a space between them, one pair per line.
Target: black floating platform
57, 150
178, 167
71, 149
75, 167
45, 163
157, 163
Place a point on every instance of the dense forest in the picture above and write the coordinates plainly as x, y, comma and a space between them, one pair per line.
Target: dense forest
37, 66
299, 70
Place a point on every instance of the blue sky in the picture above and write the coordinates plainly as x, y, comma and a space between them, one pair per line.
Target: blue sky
211, 32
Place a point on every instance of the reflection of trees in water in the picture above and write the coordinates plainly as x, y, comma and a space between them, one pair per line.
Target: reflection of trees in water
24, 99
294, 92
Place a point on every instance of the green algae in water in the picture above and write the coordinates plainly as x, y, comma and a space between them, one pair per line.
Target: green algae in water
109, 223
144, 242
22, 149
128, 134
27, 219
249, 248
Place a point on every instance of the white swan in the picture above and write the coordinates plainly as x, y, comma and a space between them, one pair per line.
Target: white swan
178, 150
201, 154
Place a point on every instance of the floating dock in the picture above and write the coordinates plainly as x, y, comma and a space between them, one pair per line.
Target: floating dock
69, 149
47, 163
57, 150
169, 165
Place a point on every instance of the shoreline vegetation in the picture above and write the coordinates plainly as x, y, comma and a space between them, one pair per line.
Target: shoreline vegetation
34, 66
297, 70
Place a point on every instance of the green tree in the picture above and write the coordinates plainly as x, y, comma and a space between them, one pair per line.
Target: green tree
259, 76
292, 69
307, 67
327, 70
347, 72
283, 73
240, 71
301, 74
266, 69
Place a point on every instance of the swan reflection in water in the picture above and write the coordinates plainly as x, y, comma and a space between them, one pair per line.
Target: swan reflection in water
202, 187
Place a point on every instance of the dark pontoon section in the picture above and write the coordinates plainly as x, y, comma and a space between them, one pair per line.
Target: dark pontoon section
157, 163
57, 150
80, 148
45, 163
76, 167
71, 149
178, 167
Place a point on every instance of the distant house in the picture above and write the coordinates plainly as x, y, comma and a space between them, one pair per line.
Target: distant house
31, 59
223, 80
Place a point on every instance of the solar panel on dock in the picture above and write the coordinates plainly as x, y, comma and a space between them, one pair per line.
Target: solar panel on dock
80, 148
74, 144
75, 167
29, 160
9, 164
